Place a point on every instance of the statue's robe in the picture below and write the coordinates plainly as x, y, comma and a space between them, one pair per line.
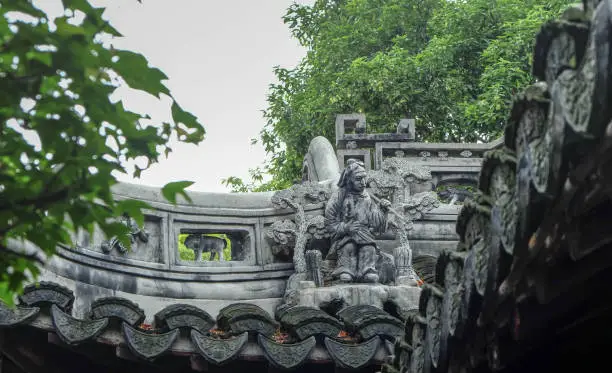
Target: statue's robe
354, 249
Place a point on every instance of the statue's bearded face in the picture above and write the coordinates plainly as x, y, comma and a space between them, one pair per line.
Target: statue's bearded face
358, 181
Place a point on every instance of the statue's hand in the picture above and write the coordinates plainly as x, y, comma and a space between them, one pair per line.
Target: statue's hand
384, 204
355, 226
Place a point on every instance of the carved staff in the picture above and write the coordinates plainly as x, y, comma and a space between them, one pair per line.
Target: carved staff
395, 212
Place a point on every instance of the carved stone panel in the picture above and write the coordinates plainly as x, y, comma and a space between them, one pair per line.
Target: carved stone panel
147, 242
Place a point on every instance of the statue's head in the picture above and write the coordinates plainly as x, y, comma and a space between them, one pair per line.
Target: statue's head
353, 178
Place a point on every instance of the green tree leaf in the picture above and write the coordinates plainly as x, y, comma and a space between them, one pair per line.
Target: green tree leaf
454, 65
171, 190
56, 88
134, 69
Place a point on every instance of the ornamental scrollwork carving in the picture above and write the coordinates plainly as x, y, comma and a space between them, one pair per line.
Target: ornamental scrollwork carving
416, 206
282, 234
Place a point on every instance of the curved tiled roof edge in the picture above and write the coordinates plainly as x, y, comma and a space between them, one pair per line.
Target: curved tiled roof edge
356, 337
533, 242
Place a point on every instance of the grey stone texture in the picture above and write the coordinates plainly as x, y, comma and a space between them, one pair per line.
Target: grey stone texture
152, 273
377, 295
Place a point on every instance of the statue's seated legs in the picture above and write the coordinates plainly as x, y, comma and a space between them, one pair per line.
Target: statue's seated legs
356, 263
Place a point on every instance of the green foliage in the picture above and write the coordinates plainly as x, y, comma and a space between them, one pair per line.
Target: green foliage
62, 138
171, 190
453, 64
187, 254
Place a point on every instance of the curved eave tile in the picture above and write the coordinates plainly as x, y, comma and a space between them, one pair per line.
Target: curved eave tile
16, 316
317, 329
286, 356
46, 293
349, 313
119, 308
148, 346
351, 356
218, 351
74, 331
253, 324
238, 318
384, 329
184, 316
304, 322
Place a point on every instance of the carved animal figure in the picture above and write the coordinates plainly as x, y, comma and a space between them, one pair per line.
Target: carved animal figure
200, 243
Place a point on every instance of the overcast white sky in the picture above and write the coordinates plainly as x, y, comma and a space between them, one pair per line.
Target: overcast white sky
218, 55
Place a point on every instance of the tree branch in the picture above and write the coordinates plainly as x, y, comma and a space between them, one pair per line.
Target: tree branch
24, 250
38, 201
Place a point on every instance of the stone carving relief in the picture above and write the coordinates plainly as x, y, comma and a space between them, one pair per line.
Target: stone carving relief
424, 155
304, 227
407, 185
351, 145
352, 217
281, 238
201, 243
365, 206
136, 234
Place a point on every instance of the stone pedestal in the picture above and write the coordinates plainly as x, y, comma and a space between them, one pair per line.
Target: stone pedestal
405, 297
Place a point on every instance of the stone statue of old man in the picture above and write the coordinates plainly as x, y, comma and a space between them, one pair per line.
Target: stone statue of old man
351, 217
